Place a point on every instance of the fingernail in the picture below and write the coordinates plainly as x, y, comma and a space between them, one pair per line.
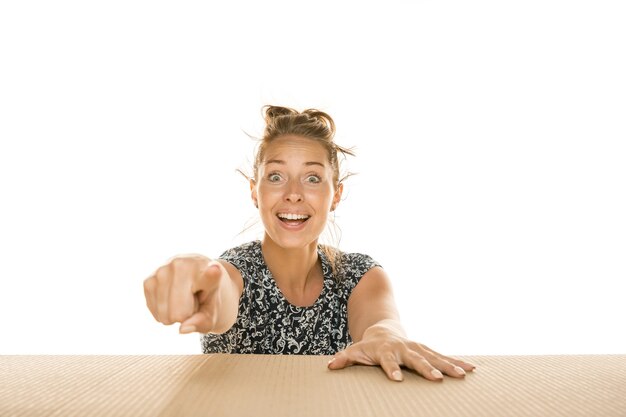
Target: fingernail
459, 370
187, 329
331, 360
396, 375
436, 373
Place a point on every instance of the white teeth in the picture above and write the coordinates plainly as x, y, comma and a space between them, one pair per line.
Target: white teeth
290, 216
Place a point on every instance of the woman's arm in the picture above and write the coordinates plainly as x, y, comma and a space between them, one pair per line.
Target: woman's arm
379, 338
372, 302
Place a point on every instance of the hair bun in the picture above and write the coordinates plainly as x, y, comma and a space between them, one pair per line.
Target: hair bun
323, 118
272, 112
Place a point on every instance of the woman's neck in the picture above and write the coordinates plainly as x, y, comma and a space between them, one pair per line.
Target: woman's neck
296, 270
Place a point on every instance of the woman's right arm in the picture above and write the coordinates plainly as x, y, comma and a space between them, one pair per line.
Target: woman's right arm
200, 294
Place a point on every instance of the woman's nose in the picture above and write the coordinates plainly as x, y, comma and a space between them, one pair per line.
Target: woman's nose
293, 194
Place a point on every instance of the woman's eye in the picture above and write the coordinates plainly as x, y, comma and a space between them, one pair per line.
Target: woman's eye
274, 177
313, 179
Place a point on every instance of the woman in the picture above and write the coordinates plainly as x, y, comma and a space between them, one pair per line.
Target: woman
287, 294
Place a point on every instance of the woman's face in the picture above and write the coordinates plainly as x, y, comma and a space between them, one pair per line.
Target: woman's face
294, 191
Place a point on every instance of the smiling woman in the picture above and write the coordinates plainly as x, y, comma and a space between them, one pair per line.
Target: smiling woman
284, 123
288, 294
294, 191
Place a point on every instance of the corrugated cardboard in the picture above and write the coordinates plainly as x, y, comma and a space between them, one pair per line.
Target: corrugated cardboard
264, 385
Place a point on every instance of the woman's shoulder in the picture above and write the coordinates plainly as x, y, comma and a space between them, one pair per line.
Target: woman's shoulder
248, 247
351, 266
356, 258
245, 254
357, 263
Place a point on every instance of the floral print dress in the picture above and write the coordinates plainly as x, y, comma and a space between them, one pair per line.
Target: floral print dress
268, 324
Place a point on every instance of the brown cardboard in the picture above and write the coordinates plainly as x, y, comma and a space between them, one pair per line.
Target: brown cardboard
265, 385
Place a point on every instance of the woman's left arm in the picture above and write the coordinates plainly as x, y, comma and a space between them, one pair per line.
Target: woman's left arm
379, 339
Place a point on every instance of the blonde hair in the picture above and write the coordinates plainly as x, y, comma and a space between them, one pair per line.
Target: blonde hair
311, 124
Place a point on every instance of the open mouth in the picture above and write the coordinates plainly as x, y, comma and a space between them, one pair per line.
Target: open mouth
293, 219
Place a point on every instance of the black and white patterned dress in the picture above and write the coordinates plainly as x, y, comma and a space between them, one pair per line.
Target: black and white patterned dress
268, 324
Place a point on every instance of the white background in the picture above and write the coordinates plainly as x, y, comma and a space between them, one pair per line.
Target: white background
491, 159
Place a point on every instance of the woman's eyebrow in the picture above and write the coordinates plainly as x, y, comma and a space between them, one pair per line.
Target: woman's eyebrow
281, 162
275, 161
314, 163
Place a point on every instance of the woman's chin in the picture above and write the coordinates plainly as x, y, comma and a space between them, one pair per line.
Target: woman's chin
291, 241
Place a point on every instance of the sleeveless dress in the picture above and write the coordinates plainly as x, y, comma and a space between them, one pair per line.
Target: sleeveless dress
268, 324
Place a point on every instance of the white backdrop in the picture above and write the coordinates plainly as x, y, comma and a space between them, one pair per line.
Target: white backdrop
490, 139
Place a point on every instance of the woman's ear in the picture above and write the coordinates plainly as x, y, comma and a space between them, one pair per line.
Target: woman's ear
253, 193
337, 197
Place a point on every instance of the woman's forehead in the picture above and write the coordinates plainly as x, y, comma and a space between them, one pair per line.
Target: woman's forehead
286, 148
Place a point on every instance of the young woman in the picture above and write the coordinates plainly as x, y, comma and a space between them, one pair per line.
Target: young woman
287, 294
